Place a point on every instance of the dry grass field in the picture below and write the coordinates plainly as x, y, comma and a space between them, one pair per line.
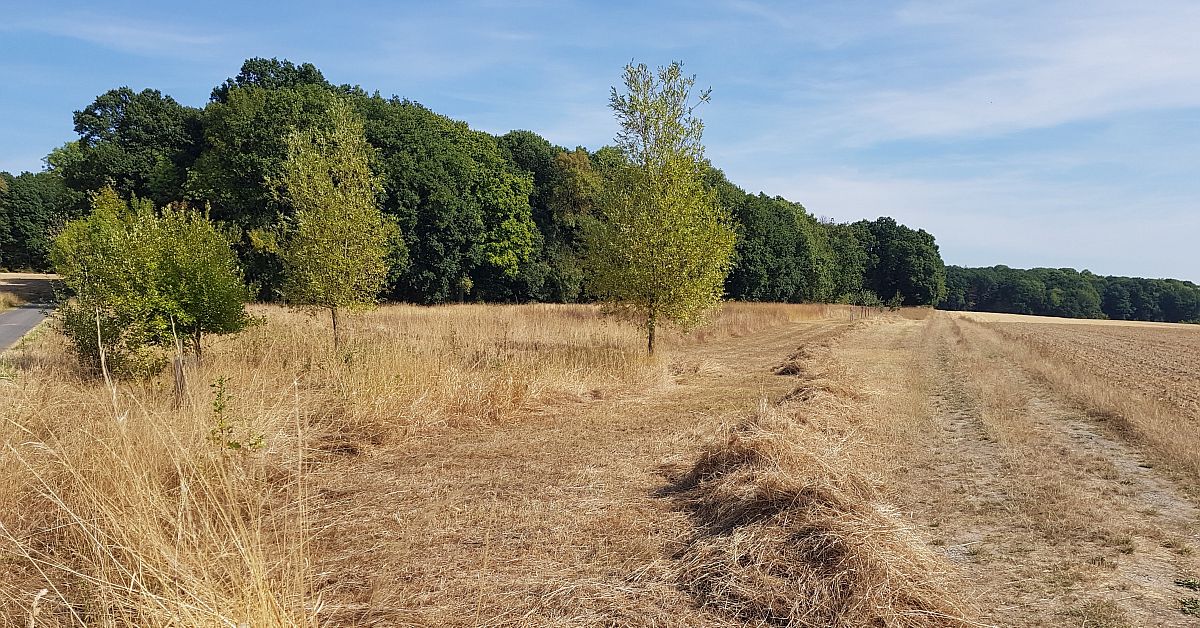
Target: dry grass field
19, 288
529, 466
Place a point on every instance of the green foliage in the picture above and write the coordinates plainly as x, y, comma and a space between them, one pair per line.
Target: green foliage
903, 261
783, 254
224, 434
662, 244
245, 145
32, 208
141, 143
336, 243
462, 207
270, 74
1069, 293
139, 279
109, 260
861, 297
199, 275
849, 259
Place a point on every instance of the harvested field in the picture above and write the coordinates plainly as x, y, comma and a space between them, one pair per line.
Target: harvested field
529, 466
1160, 362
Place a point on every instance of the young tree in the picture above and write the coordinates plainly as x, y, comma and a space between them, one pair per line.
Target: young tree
139, 278
200, 276
109, 261
337, 243
663, 245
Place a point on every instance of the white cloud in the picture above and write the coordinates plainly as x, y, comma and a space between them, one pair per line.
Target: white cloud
1044, 67
126, 35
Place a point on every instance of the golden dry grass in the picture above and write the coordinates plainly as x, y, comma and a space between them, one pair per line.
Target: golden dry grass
9, 300
132, 511
1143, 382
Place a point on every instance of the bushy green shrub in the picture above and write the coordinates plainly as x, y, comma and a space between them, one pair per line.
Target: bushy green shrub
138, 280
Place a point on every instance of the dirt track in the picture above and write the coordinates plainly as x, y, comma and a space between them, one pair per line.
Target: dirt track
553, 519
1057, 523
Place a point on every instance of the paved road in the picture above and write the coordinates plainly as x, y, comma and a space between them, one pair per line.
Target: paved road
17, 322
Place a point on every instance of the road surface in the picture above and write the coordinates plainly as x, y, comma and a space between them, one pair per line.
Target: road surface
18, 321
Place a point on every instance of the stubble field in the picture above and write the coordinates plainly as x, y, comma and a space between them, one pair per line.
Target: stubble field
528, 465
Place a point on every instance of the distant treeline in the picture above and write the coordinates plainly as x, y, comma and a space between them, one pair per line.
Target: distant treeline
482, 217
1069, 293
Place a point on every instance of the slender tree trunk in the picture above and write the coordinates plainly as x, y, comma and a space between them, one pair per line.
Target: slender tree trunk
336, 341
196, 340
651, 322
178, 369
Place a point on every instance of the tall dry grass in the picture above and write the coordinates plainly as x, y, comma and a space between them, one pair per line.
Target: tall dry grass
9, 300
1147, 422
145, 507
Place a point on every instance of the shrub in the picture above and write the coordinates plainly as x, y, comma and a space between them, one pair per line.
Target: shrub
138, 279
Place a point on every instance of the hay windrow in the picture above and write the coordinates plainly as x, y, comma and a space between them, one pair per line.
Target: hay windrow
786, 532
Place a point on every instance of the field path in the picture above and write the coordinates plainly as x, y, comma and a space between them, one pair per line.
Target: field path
549, 520
1057, 524
553, 519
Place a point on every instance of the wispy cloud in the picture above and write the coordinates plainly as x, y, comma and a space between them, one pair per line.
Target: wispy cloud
122, 34
1040, 68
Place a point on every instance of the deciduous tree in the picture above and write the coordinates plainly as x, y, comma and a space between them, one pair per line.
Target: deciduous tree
336, 243
663, 244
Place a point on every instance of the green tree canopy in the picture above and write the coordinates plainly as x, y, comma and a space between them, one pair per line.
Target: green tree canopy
336, 242
33, 207
663, 245
463, 209
139, 278
1069, 293
270, 74
139, 142
200, 276
902, 261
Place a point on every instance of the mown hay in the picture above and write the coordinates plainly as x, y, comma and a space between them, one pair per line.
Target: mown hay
786, 533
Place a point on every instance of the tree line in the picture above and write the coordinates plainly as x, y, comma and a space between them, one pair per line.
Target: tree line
477, 216
1070, 293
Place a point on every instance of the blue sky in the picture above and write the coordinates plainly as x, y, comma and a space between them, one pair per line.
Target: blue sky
1021, 133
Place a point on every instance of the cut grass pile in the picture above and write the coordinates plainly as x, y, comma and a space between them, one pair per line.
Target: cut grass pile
787, 533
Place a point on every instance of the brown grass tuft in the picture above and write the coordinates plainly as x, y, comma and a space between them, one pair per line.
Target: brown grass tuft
9, 300
787, 533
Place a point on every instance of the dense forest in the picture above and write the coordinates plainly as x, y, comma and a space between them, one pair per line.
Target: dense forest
1070, 293
493, 218
480, 217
